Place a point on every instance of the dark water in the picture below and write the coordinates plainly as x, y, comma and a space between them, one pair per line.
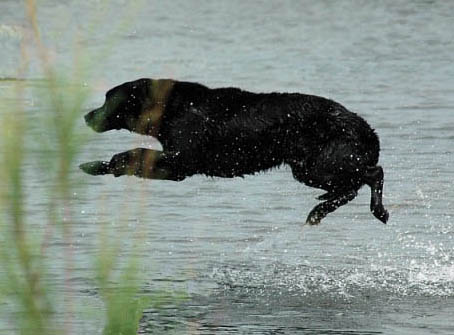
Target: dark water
237, 247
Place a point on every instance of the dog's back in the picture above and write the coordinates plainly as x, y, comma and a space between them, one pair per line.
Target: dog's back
239, 132
228, 132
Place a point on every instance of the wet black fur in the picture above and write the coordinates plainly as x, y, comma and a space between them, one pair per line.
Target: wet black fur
228, 132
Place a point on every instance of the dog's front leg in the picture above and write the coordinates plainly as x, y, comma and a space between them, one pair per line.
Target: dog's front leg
139, 162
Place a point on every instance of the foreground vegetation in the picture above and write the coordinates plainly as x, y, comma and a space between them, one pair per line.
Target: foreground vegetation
37, 298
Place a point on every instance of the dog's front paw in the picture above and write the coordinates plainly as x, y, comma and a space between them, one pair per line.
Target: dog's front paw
95, 168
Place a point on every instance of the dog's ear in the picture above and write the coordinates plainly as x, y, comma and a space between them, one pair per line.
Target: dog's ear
142, 87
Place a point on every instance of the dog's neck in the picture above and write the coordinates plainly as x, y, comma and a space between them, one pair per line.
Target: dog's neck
151, 118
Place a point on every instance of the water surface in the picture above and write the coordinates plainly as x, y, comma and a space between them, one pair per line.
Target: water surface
237, 247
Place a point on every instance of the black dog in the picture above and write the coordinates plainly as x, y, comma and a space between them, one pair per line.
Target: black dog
228, 132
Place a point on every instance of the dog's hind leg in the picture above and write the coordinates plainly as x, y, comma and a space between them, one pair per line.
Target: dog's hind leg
374, 178
339, 193
330, 195
326, 207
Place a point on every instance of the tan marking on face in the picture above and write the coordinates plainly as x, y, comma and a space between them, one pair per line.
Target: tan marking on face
153, 114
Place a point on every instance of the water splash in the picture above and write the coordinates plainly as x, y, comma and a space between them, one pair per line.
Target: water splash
303, 280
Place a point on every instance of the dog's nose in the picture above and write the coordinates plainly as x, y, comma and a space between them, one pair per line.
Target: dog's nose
96, 120
92, 120
87, 117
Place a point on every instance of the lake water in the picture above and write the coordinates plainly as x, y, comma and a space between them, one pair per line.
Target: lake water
237, 247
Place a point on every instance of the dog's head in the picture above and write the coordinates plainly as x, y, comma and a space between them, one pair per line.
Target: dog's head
137, 106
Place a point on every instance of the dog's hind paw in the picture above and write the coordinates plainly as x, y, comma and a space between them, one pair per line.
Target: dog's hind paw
382, 214
95, 168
